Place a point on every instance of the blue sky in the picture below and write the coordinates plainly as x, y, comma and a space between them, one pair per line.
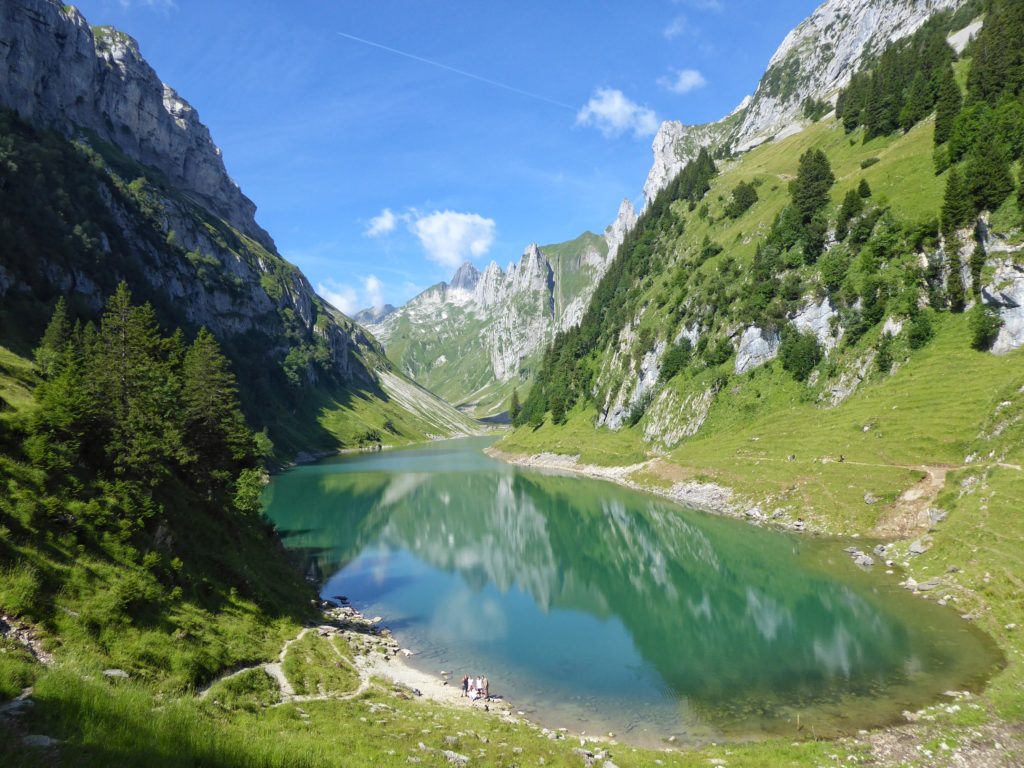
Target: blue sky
378, 172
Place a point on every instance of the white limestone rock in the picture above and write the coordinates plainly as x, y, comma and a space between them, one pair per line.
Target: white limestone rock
815, 60
674, 146
59, 72
818, 58
1006, 293
617, 231
817, 318
670, 419
756, 347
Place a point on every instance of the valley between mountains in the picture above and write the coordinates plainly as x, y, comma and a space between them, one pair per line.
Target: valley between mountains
811, 329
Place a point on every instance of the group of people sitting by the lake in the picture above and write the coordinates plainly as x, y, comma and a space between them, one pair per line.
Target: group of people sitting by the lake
477, 687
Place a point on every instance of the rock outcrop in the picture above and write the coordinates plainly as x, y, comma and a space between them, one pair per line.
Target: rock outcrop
756, 347
814, 61
57, 71
1005, 292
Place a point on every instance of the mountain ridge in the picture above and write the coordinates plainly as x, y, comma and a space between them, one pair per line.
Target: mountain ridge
477, 336
134, 189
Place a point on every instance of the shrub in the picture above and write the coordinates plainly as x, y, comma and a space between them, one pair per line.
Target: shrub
743, 197
19, 590
799, 352
718, 353
639, 408
868, 162
920, 330
984, 323
883, 360
676, 358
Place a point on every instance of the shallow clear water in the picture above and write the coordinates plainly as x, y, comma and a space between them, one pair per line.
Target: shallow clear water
599, 609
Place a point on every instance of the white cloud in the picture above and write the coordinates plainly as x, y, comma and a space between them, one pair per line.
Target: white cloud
614, 114
340, 296
675, 28
374, 290
450, 238
349, 299
683, 81
703, 5
381, 224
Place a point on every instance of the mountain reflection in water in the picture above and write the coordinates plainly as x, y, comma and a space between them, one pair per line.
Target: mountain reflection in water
588, 592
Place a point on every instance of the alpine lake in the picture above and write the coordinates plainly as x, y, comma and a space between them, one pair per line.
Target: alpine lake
595, 608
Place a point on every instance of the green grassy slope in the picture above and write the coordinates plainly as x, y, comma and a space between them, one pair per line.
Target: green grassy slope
936, 435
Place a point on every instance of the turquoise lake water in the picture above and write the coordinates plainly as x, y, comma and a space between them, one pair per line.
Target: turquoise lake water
603, 610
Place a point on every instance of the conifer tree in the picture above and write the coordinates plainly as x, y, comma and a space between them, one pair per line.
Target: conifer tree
1010, 124
214, 429
129, 365
988, 177
51, 347
977, 265
864, 189
954, 281
956, 205
514, 407
918, 102
814, 179
853, 205
949, 102
997, 67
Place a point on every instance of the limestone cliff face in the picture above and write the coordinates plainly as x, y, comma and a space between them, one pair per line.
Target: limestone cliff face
816, 60
473, 339
168, 221
57, 71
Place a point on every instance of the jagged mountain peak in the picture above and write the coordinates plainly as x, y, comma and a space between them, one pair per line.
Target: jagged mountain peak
466, 277
819, 56
815, 60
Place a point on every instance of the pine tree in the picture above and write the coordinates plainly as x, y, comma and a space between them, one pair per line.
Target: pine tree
972, 123
51, 347
744, 195
881, 114
989, 180
1009, 119
853, 205
62, 427
864, 189
851, 102
918, 102
215, 433
814, 179
129, 367
956, 205
954, 281
514, 407
977, 265
949, 102
998, 62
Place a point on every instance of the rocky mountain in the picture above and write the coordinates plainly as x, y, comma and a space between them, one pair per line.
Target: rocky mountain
111, 176
476, 338
837, 295
813, 63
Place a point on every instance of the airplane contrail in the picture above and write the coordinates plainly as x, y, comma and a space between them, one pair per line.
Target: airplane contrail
462, 72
